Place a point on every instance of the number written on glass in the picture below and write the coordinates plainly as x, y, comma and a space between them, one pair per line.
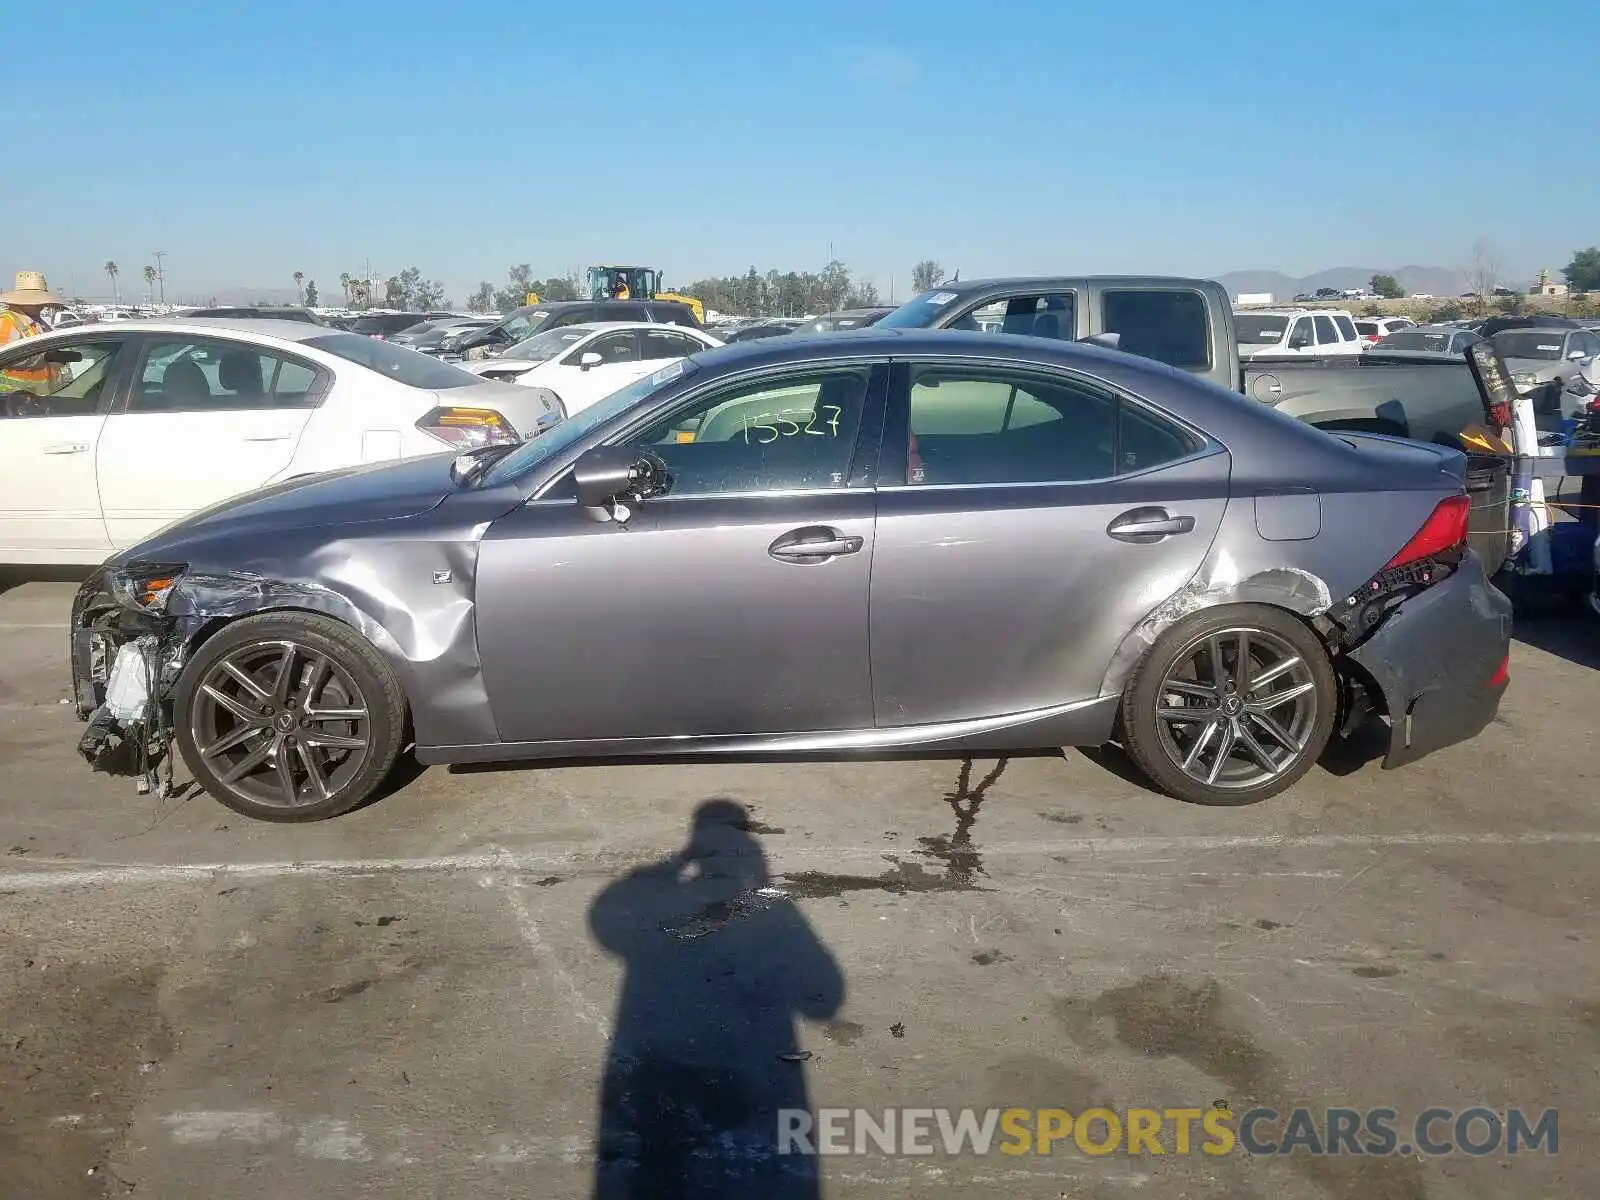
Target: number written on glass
783, 427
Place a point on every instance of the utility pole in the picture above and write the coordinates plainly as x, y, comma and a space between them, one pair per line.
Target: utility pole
161, 274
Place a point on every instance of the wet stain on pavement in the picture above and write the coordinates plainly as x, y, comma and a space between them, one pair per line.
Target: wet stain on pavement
1062, 818
718, 913
987, 958
344, 991
1268, 924
1376, 972
961, 861
959, 857
843, 1033
1161, 1016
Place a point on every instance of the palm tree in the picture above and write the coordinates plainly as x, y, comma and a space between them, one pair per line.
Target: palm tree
113, 270
150, 280
299, 280
344, 283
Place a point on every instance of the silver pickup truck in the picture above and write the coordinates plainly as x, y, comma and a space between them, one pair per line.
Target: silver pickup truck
1188, 324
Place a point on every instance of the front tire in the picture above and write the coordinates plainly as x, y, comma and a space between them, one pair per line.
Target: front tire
1230, 706
289, 717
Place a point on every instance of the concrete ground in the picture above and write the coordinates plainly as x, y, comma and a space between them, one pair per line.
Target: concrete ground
434, 996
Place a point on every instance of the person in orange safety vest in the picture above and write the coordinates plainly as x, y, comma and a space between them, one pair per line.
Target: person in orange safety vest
22, 317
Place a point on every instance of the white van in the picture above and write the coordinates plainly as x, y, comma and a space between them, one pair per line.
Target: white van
1298, 332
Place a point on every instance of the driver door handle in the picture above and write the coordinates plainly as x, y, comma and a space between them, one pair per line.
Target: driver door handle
66, 447
814, 544
1143, 526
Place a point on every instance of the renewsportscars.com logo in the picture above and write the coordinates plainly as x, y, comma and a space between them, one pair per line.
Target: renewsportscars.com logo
1376, 1132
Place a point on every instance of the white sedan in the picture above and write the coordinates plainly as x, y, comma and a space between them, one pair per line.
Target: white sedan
585, 363
108, 432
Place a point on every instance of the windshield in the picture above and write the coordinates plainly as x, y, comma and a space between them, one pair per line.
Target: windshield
1528, 343
523, 325
531, 453
1259, 330
920, 311
398, 363
542, 347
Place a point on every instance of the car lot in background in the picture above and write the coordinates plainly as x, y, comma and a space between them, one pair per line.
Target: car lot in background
428, 336
849, 318
583, 363
1291, 331
522, 323
1374, 329
386, 324
754, 331
149, 421
1428, 339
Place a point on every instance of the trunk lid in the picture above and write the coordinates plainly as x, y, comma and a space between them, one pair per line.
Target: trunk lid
1403, 454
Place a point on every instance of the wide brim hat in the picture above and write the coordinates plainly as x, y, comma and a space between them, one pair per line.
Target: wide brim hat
31, 289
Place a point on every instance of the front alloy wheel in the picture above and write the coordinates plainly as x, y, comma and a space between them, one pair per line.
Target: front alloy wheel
289, 717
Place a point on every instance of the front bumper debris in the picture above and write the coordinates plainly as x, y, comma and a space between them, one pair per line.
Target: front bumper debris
124, 663
1438, 659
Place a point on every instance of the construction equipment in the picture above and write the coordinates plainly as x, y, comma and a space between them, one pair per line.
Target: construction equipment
642, 283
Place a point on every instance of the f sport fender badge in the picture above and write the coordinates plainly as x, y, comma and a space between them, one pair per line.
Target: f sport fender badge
443, 576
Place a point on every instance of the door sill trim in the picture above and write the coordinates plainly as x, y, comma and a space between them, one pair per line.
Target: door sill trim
1080, 723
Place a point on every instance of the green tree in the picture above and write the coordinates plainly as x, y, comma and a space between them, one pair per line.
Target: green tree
311, 293
482, 300
1387, 287
862, 294
1583, 272
149, 274
344, 284
1514, 303
519, 282
1450, 310
926, 274
299, 281
394, 292
113, 271
558, 287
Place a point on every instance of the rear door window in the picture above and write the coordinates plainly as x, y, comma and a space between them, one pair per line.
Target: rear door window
1327, 334
1051, 315
1170, 325
1347, 329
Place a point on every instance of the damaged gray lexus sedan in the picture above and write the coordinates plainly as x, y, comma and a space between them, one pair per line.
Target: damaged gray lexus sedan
883, 540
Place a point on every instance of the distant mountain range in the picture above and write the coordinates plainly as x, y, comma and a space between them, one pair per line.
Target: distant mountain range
1432, 281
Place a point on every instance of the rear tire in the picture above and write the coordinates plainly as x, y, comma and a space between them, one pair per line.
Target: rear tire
1204, 732
289, 717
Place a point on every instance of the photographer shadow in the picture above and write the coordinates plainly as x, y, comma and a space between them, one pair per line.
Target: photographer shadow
704, 1052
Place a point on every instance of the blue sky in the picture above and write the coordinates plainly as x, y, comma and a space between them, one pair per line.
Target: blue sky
249, 139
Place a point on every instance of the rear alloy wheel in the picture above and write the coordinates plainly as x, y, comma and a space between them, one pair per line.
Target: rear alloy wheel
289, 717
1230, 706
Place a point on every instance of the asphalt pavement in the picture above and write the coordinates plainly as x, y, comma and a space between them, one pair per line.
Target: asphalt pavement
544, 982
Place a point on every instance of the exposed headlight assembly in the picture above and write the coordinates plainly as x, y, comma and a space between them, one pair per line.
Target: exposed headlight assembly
146, 586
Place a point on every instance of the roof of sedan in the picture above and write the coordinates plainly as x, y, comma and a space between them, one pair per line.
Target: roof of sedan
287, 331
874, 341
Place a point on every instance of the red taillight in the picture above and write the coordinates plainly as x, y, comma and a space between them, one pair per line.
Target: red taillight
1445, 529
1502, 676
468, 428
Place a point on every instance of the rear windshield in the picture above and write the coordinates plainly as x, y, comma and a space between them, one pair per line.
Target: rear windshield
1528, 343
1260, 331
1415, 339
398, 363
387, 322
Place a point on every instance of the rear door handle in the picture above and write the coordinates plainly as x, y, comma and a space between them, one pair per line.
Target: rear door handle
66, 447
814, 544
1143, 526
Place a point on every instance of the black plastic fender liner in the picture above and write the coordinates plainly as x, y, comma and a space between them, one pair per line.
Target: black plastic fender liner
1437, 659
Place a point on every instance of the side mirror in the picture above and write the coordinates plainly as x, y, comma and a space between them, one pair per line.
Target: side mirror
1299, 341
603, 474
590, 359
1577, 354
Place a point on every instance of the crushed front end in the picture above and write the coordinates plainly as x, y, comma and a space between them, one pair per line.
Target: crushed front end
127, 652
